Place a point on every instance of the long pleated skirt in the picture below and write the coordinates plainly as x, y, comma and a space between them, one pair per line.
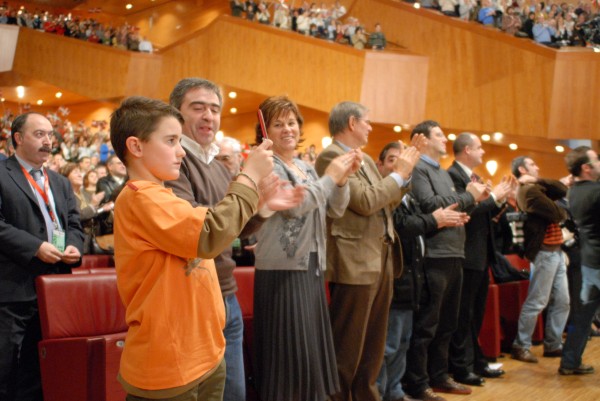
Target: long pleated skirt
295, 357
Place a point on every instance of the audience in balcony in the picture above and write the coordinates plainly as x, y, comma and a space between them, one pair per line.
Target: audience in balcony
125, 37
377, 39
544, 32
511, 22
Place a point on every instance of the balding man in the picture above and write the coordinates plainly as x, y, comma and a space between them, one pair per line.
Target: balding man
467, 362
40, 233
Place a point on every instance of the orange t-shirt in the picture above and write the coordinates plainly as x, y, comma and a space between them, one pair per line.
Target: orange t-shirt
175, 310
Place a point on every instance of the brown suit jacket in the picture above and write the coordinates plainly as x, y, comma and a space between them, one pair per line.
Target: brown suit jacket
354, 241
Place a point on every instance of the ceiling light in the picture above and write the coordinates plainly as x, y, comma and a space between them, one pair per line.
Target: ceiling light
485, 137
491, 166
58, 95
40, 102
326, 141
219, 135
128, 6
397, 128
559, 148
232, 95
513, 146
498, 136
20, 92
452, 137
233, 110
417, 5
2, 100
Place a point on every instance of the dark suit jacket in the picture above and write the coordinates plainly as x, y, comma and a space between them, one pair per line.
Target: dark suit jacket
354, 241
479, 242
22, 230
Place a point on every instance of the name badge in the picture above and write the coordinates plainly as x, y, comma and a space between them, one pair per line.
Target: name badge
58, 239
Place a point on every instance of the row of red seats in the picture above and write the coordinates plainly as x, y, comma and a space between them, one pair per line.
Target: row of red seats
83, 328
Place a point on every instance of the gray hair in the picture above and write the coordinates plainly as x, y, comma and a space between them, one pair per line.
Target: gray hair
187, 84
341, 113
235, 145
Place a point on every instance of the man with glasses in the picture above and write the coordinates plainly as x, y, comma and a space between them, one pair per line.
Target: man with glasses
363, 254
40, 233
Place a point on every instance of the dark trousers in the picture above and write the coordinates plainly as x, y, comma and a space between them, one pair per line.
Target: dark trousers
434, 323
359, 318
19, 361
465, 353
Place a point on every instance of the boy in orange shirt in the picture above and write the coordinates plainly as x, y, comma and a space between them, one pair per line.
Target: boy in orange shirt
163, 251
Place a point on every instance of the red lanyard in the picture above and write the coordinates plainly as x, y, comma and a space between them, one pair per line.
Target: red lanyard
43, 193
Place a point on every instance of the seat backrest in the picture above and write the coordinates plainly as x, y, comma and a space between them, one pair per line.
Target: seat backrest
244, 276
90, 261
79, 305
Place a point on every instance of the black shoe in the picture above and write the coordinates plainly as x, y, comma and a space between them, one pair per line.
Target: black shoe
491, 373
556, 353
470, 379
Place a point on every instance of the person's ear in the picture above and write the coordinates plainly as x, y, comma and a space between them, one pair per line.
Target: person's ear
134, 146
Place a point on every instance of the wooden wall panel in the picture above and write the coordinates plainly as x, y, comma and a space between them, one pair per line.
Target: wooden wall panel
95, 71
260, 59
394, 87
484, 80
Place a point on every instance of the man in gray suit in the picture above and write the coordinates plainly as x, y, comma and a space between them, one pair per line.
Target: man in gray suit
362, 254
40, 233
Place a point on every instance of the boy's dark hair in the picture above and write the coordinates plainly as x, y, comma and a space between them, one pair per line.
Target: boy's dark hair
576, 158
424, 128
386, 148
137, 116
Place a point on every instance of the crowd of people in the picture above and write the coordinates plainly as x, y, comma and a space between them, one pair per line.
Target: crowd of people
124, 37
550, 24
403, 244
322, 21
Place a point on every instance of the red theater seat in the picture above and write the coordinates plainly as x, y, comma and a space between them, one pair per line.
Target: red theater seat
490, 334
512, 295
83, 333
245, 295
91, 261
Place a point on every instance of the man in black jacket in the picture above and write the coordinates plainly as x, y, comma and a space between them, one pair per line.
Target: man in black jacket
40, 233
584, 202
467, 361
411, 226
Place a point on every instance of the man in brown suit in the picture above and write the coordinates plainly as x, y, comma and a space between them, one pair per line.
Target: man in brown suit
362, 254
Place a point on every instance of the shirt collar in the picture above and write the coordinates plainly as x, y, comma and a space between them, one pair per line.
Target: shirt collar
430, 161
28, 167
467, 170
344, 147
194, 148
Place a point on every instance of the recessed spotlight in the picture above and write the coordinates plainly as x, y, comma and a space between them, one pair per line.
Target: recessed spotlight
219, 135
498, 136
2, 100
513, 146
452, 137
20, 91
129, 6
485, 137
417, 5
397, 128
559, 148
40, 102
232, 95
233, 110
58, 95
